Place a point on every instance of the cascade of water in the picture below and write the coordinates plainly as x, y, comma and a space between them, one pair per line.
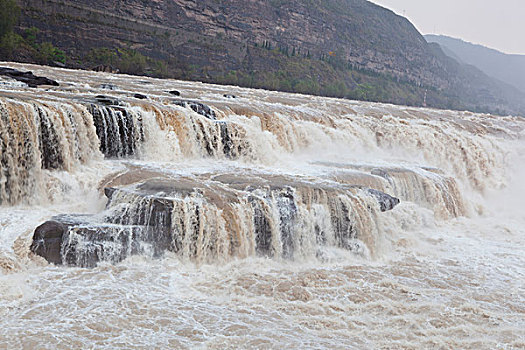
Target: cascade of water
36, 136
119, 130
62, 134
219, 221
265, 220
447, 160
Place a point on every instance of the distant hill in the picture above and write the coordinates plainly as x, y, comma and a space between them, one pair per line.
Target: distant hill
496, 64
341, 48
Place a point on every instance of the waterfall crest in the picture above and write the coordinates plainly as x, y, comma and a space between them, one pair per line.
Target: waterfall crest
286, 175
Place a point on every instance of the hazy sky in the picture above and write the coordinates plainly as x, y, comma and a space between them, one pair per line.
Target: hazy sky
499, 24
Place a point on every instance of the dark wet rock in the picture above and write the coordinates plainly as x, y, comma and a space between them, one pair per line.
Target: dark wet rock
342, 223
262, 217
86, 246
165, 214
155, 211
47, 241
120, 132
288, 212
261, 221
85, 240
27, 77
80, 240
140, 96
108, 100
228, 146
225, 134
174, 92
229, 96
108, 87
51, 155
386, 201
197, 107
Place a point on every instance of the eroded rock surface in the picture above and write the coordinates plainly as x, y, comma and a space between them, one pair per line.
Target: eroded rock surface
27, 77
214, 218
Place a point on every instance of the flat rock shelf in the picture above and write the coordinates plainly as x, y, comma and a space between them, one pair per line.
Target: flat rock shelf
206, 218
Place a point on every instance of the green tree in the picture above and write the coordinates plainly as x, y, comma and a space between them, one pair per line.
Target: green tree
48, 54
30, 35
131, 61
9, 43
9, 12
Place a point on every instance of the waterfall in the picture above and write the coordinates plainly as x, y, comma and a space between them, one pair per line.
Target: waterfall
118, 129
280, 176
36, 136
202, 224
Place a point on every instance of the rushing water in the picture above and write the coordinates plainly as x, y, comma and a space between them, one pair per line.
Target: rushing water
275, 240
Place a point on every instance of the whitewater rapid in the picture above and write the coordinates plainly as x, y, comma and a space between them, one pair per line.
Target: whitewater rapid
443, 269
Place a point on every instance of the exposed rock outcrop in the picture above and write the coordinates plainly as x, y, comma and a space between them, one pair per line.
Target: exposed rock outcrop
318, 47
205, 221
197, 107
77, 240
107, 100
386, 202
27, 77
140, 96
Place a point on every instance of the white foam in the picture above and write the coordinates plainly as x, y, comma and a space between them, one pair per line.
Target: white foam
436, 281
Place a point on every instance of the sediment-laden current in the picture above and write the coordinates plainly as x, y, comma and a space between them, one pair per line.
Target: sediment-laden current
144, 213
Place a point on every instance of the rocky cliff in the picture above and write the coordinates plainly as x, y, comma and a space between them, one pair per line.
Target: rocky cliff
343, 48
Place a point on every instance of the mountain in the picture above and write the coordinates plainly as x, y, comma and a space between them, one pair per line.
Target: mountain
496, 64
340, 48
